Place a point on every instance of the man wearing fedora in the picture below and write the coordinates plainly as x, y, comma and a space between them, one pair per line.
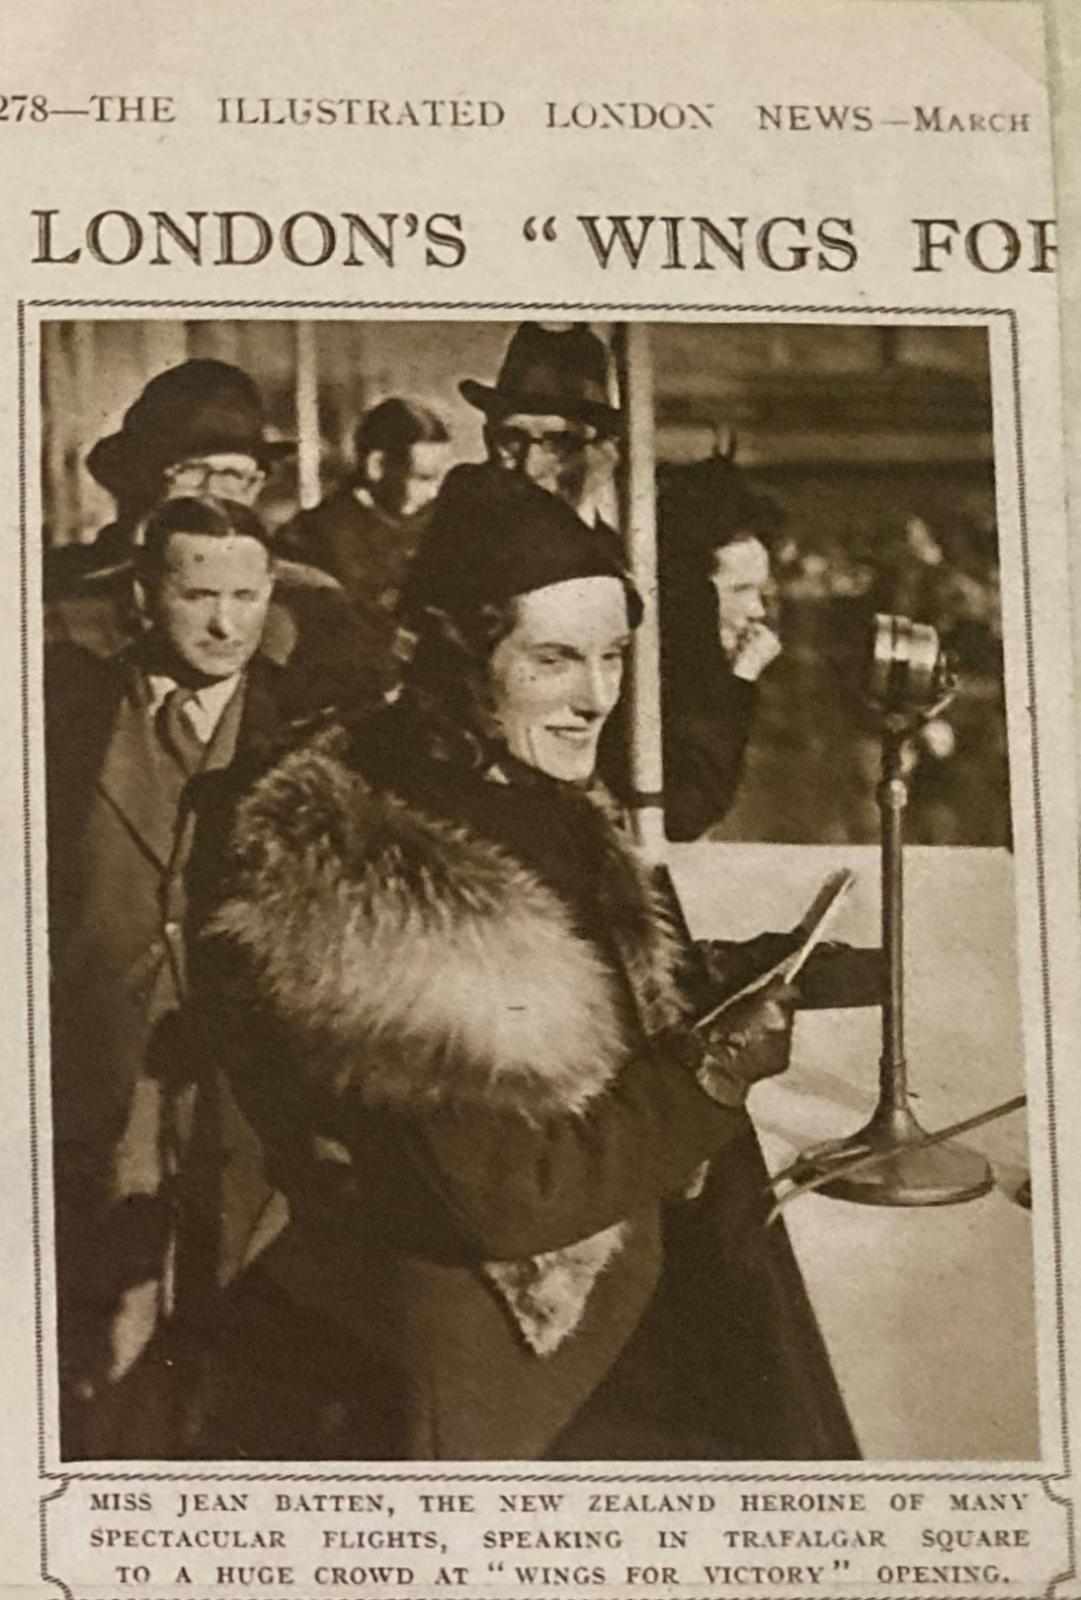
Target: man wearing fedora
197, 428
549, 415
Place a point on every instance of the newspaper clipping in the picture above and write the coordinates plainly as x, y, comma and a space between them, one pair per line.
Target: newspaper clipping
540, 857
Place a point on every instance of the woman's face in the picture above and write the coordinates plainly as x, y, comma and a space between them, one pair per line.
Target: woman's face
556, 676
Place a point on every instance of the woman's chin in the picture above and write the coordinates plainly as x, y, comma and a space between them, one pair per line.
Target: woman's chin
571, 767
570, 759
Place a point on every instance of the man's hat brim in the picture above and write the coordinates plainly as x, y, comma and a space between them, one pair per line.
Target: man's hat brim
494, 401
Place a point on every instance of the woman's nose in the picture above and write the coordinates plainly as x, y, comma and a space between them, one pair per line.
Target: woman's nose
596, 690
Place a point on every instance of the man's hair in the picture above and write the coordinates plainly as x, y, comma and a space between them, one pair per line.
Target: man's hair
701, 508
206, 514
395, 425
707, 505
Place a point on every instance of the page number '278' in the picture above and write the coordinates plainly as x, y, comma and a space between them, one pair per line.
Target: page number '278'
24, 108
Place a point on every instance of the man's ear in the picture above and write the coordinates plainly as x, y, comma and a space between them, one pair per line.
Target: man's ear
375, 466
142, 599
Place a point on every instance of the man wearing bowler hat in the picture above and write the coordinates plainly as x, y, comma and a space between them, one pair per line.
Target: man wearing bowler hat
549, 416
197, 428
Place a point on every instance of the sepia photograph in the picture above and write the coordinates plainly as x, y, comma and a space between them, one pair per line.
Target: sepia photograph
532, 921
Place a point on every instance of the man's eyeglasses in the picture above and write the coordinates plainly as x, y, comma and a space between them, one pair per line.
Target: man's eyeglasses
513, 445
206, 477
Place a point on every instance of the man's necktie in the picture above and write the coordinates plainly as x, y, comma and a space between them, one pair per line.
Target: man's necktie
176, 732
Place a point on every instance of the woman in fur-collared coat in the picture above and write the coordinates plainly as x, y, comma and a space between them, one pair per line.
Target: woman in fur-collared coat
451, 1009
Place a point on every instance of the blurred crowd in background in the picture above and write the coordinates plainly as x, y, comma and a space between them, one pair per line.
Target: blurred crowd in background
910, 547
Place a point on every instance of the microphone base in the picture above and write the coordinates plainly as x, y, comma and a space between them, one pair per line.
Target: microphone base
907, 1173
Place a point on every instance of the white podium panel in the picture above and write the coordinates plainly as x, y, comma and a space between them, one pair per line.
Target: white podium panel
928, 1313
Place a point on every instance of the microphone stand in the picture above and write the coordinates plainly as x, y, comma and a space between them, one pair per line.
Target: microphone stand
908, 1170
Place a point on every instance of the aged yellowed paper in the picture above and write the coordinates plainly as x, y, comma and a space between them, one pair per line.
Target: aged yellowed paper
505, 502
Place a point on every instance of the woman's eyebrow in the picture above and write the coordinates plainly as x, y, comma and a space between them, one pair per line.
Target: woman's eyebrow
566, 647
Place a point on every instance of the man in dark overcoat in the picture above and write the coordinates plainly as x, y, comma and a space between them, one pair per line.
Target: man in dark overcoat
365, 534
718, 635
133, 741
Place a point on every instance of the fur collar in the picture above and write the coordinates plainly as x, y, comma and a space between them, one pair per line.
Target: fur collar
419, 962
423, 963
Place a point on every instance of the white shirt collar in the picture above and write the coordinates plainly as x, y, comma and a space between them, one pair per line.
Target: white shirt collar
205, 708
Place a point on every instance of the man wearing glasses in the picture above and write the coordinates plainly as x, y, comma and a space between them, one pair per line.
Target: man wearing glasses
229, 475
548, 415
196, 429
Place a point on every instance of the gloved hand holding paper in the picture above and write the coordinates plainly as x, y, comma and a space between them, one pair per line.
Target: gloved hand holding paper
811, 928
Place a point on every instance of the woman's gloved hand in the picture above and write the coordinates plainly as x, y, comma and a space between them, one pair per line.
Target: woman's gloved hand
748, 1041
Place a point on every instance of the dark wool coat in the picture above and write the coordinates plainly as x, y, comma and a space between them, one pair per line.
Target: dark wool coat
84, 694
444, 995
126, 855
368, 553
706, 733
